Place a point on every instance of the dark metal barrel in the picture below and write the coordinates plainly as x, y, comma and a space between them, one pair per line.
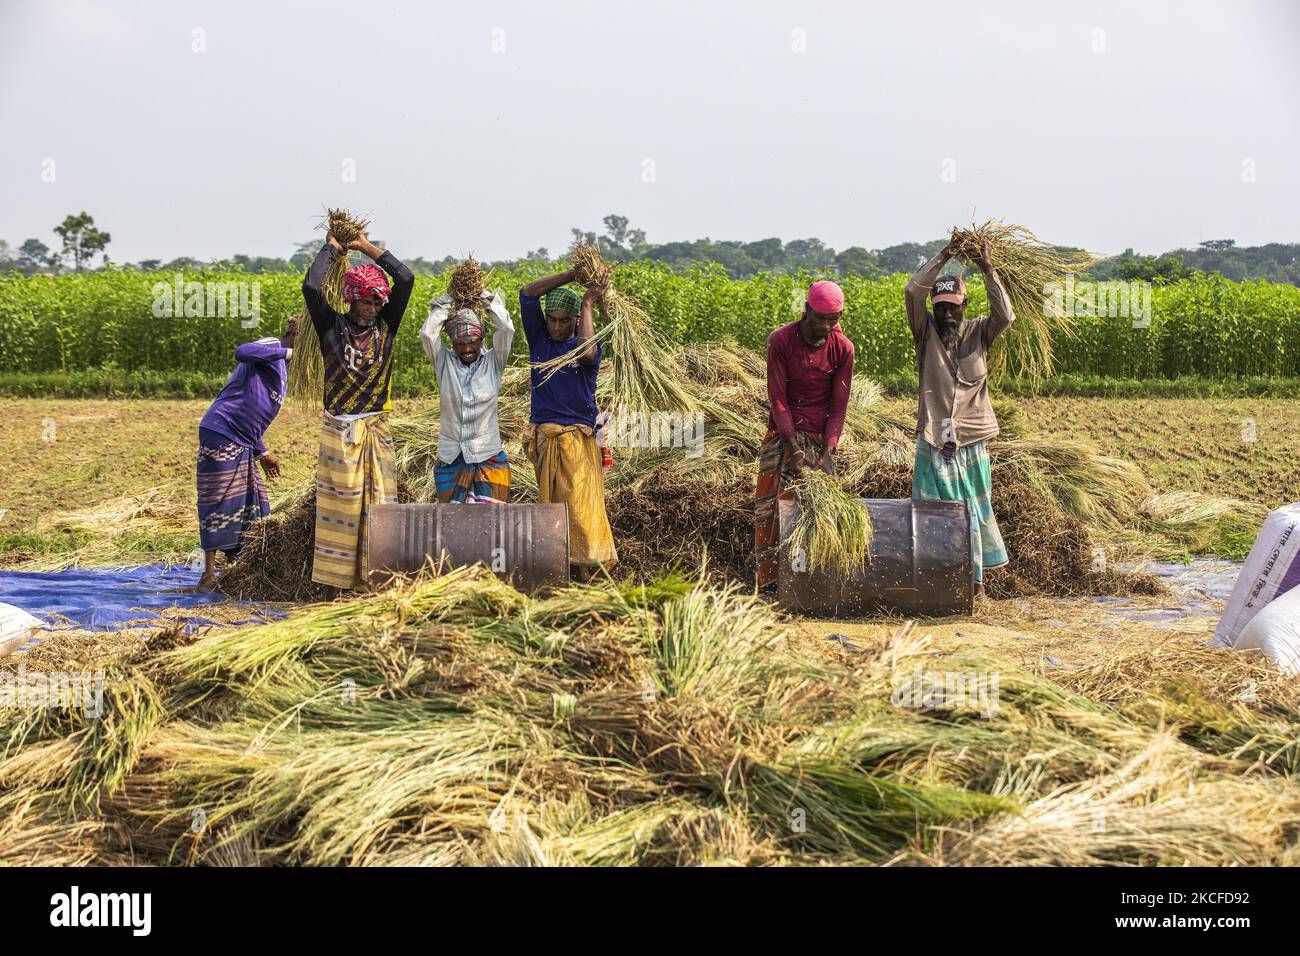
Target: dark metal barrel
920, 564
526, 544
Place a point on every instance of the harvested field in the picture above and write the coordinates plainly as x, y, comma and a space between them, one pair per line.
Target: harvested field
106, 450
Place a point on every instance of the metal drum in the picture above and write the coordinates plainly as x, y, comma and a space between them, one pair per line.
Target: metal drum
526, 544
920, 564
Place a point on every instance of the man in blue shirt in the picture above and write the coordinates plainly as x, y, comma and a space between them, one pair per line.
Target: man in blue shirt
561, 435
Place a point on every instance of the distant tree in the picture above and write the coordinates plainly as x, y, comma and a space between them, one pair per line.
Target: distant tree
149, 265
305, 252
34, 256
908, 256
1158, 269
808, 254
81, 240
857, 261
423, 267
579, 236
1218, 245
769, 253
260, 263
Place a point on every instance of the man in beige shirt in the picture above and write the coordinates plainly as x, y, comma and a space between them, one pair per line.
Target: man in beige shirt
955, 419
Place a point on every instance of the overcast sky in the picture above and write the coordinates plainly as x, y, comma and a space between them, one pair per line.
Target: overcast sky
207, 129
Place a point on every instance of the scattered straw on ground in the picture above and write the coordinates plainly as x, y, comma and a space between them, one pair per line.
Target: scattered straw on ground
453, 720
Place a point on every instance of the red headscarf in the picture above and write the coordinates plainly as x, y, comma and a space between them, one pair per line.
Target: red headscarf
361, 281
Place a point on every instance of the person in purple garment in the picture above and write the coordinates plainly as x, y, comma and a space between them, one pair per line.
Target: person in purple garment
232, 494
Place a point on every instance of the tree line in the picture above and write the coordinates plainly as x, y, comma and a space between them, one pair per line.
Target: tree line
80, 241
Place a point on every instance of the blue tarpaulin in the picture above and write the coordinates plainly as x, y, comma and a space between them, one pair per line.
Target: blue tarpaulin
105, 599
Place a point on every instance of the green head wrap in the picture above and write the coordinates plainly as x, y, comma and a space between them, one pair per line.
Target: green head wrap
564, 299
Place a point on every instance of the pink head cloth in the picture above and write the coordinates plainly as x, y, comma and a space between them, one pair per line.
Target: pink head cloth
825, 297
364, 280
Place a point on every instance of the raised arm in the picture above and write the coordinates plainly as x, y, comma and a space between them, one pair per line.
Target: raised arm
503, 333
313, 292
587, 326
1000, 313
918, 288
262, 352
431, 333
539, 287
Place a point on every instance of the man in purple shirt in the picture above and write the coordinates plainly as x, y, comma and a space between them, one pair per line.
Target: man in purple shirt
230, 490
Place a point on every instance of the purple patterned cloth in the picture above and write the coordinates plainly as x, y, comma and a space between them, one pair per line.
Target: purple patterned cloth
232, 494
252, 396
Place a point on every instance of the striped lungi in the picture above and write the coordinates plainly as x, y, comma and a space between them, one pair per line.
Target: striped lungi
968, 478
484, 482
231, 492
355, 470
568, 463
773, 477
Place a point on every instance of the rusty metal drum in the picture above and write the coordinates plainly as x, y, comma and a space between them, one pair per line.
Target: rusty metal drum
920, 564
525, 544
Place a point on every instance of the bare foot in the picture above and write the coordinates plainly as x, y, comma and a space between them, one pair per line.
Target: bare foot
208, 583
979, 591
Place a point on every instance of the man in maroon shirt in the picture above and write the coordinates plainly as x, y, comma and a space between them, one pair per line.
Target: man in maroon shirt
809, 372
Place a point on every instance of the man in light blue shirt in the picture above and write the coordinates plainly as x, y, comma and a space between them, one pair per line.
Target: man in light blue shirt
472, 466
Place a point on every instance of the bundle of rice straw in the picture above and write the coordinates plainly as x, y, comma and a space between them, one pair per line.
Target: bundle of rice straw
306, 365
833, 531
466, 286
1027, 267
645, 366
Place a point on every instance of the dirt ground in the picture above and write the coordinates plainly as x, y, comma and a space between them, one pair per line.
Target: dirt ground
1038, 634
68, 454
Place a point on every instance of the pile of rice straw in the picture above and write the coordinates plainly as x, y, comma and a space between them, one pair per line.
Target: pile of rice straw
668, 722
306, 365
833, 530
1026, 266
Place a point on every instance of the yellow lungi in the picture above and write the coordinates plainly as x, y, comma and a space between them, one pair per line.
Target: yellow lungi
568, 464
355, 469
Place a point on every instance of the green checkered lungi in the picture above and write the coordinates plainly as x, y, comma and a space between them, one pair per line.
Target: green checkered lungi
966, 478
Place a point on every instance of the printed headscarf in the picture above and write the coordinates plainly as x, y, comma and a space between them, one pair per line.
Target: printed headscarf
465, 326
564, 299
361, 281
